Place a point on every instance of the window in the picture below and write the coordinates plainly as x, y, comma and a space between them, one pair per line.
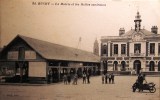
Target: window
21, 53
152, 48
137, 48
159, 48
105, 49
115, 48
123, 48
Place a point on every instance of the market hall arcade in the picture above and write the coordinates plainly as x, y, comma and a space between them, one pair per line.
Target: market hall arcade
27, 59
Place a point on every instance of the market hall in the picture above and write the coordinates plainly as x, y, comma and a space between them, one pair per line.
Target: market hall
27, 59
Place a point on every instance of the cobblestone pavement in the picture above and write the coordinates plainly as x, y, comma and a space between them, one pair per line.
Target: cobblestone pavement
121, 90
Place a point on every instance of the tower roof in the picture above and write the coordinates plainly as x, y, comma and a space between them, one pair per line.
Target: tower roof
138, 16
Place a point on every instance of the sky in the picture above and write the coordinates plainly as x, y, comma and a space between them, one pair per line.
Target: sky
65, 24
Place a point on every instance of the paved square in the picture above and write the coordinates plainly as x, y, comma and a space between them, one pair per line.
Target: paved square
121, 90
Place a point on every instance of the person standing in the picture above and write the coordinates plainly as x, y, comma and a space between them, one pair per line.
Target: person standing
69, 78
103, 77
109, 78
88, 78
75, 79
49, 76
65, 79
106, 78
84, 78
112, 78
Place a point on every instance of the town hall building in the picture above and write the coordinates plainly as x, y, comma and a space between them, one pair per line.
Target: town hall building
137, 50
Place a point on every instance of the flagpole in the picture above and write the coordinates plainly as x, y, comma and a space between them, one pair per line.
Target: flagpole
76, 51
79, 42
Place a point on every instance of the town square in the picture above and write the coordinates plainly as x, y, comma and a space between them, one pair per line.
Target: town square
120, 90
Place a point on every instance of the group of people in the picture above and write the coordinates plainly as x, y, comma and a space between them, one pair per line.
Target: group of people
108, 77
67, 78
86, 77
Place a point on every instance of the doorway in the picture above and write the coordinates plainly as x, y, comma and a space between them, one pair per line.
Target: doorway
115, 66
21, 71
137, 66
151, 66
123, 64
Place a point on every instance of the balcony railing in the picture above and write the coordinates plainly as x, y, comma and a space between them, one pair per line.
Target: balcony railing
104, 55
137, 54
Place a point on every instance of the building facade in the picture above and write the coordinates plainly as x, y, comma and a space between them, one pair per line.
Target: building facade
27, 59
137, 50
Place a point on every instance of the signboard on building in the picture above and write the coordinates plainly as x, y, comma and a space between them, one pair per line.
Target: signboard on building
37, 69
76, 65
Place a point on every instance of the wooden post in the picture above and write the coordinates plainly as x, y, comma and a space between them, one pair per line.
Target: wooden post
102, 67
59, 71
47, 71
20, 65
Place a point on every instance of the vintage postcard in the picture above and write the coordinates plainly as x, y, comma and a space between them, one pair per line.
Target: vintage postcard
79, 50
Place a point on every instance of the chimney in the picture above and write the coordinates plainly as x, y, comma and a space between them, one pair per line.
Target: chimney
154, 29
121, 31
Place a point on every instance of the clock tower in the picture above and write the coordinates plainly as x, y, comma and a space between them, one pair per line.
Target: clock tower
137, 22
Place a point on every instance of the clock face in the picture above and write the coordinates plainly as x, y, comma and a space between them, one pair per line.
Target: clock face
137, 37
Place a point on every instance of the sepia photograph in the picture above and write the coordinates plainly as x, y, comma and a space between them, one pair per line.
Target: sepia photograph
79, 50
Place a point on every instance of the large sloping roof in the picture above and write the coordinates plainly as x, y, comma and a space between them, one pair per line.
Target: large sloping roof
53, 51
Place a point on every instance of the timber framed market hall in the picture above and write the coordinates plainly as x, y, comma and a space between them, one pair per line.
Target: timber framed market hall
27, 59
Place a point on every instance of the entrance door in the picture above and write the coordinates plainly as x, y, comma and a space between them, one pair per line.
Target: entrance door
137, 66
55, 75
21, 71
115, 66
123, 64
151, 66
